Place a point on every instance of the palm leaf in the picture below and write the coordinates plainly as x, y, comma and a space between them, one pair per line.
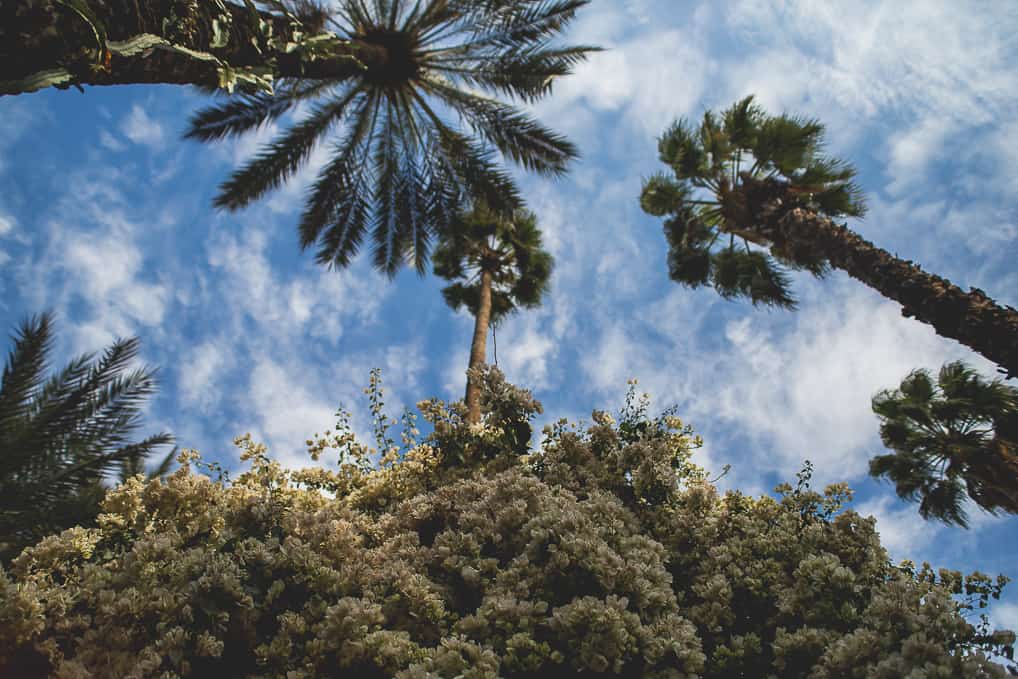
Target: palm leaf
246, 112
283, 157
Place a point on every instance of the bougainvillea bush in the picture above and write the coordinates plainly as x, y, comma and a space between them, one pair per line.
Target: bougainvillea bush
604, 551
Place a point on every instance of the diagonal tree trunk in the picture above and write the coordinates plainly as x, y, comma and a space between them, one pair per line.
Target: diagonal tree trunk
478, 348
970, 317
182, 42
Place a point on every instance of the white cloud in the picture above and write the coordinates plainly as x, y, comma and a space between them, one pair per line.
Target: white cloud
912, 152
287, 400
108, 141
1004, 615
142, 129
525, 351
796, 386
17, 117
903, 533
318, 301
454, 377
628, 77
93, 267
905, 69
200, 371
1004, 142
806, 393
7, 229
286, 411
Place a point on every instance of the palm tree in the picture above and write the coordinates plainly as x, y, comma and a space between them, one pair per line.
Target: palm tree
957, 437
749, 192
61, 436
499, 266
384, 71
399, 169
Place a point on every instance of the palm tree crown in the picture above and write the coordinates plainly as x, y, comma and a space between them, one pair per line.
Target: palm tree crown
956, 437
509, 250
704, 199
61, 437
399, 167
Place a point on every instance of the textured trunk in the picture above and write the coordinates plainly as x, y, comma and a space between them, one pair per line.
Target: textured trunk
970, 317
49, 42
478, 348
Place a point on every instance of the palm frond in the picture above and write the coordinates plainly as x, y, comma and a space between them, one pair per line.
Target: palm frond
752, 275
515, 134
246, 112
474, 166
787, 143
337, 212
282, 158
950, 438
71, 432
706, 202
24, 372
689, 266
741, 123
680, 148
527, 75
662, 196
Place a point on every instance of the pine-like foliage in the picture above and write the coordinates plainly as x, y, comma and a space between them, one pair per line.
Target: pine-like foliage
61, 436
707, 224
954, 438
399, 167
509, 249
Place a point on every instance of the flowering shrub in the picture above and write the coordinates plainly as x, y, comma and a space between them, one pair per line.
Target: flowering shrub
605, 552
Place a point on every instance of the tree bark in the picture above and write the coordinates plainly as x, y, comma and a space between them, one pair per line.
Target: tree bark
970, 317
39, 36
478, 348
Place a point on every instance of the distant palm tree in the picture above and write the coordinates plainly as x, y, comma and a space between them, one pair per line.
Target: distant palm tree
400, 169
950, 439
499, 266
61, 436
762, 181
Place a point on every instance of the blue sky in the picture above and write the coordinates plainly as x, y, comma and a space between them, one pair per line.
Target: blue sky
105, 217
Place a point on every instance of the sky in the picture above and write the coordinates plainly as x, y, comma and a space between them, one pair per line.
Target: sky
106, 219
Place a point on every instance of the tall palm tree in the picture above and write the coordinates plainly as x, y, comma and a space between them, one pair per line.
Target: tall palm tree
950, 439
399, 168
498, 265
384, 74
750, 192
61, 436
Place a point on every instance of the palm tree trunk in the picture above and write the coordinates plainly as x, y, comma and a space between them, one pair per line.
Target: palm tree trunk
54, 42
970, 317
478, 348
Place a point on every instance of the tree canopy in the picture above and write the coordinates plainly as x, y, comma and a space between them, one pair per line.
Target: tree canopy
706, 211
953, 438
605, 552
510, 249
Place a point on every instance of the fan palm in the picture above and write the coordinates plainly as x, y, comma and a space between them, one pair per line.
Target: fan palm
61, 436
498, 265
950, 439
400, 169
749, 193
